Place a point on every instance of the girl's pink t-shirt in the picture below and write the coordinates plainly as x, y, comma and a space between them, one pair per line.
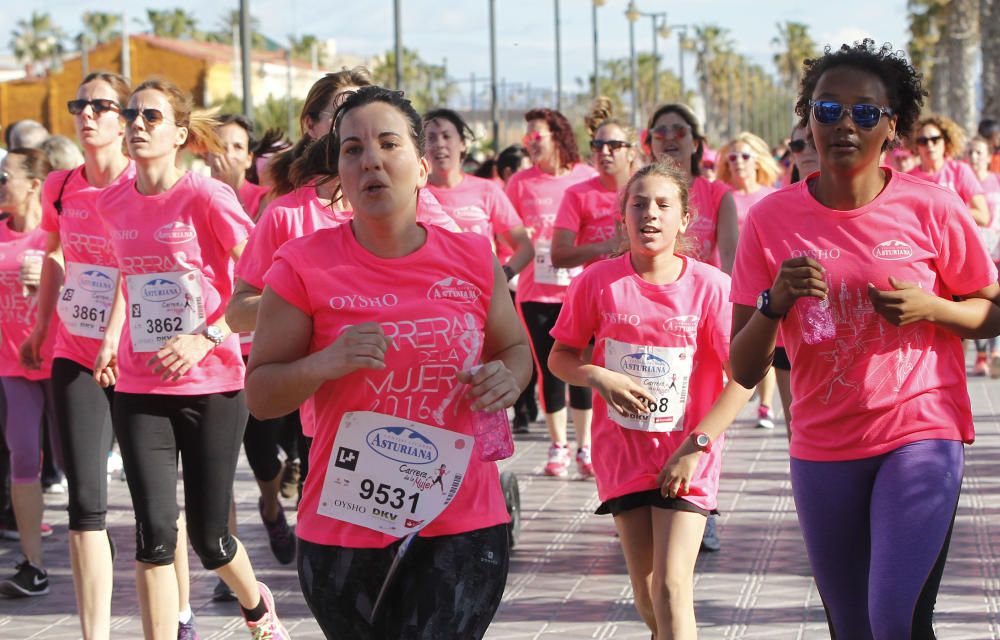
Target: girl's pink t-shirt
477, 205
18, 312
610, 301
874, 386
250, 196
590, 211
84, 240
432, 305
955, 176
536, 196
704, 199
746, 200
192, 227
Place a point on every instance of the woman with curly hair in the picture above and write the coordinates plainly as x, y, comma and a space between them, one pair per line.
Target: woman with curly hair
938, 141
536, 194
874, 283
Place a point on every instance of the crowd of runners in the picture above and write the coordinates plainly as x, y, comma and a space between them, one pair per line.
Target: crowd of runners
370, 313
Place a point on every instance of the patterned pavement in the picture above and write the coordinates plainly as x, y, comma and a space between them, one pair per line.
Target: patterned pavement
568, 577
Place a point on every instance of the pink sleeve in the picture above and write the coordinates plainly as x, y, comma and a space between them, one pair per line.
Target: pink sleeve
513, 193
576, 323
721, 319
50, 191
962, 260
502, 212
261, 247
568, 216
429, 210
967, 184
228, 220
751, 272
285, 281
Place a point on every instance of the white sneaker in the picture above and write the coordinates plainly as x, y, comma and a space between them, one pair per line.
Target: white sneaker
559, 460
115, 463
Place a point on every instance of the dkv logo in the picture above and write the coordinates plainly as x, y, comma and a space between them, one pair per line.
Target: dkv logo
175, 233
644, 365
160, 290
96, 282
402, 444
453, 289
684, 326
892, 250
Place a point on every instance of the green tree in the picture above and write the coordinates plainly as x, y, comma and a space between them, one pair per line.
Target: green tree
615, 82
229, 23
302, 48
37, 40
794, 46
426, 85
272, 114
100, 27
172, 23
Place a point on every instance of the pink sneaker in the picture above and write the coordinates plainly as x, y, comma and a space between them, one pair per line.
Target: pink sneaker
765, 418
268, 627
558, 464
982, 367
583, 462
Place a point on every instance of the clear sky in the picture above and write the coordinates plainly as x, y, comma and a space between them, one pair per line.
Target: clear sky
457, 30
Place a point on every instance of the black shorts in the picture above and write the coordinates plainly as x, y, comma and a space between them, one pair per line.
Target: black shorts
780, 360
650, 498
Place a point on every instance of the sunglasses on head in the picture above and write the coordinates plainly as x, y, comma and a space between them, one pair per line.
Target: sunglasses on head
613, 145
797, 146
865, 116
746, 155
923, 141
99, 105
673, 132
152, 117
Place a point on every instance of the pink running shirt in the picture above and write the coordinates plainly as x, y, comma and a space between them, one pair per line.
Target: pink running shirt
84, 240
746, 200
17, 314
191, 229
610, 301
873, 387
704, 199
590, 211
432, 304
536, 196
250, 196
955, 176
477, 205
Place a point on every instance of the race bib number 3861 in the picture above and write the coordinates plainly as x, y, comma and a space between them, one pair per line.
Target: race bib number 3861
663, 371
391, 474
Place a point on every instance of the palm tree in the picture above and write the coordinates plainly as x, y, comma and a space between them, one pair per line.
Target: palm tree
794, 46
175, 23
711, 44
427, 85
304, 46
989, 39
36, 40
229, 23
961, 33
926, 18
101, 27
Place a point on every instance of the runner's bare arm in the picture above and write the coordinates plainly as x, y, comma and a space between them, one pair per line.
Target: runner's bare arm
728, 232
524, 251
106, 363
241, 312
976, 315
979, 210
566, 254
620, 392
48, 294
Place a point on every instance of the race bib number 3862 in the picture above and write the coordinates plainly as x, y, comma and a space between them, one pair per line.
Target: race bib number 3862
663, 371
391, 474
163, 305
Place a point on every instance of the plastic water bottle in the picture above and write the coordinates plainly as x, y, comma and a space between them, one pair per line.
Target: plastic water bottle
494, 440
817, 320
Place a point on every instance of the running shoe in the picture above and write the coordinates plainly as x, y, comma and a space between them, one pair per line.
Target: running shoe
116, 466
28, 581
222, 592
291, 473
269, 627
558, 464
186, 630
279, 534
710, 540
765, 417
583, 462
11, 532
982, 367
55, 488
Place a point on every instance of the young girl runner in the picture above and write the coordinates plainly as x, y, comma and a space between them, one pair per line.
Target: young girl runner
382, 322
175, 235
660, 322
978, 154
873, 282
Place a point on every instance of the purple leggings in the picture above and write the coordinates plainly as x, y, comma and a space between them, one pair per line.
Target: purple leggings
28, 402
877, 533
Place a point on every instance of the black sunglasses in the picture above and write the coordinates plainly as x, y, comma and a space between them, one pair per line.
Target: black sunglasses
152, 117
797, 146
613, 145
99, 105
923, 141
865, 116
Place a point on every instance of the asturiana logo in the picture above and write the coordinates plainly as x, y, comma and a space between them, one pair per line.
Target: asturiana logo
892, 250
453, 289
96, 281
160, 290
402, 444
681, 325
644, 365
175, 233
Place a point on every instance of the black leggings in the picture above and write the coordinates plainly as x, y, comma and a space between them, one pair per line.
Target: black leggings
448, 587
206, 431
83, 419
540, 318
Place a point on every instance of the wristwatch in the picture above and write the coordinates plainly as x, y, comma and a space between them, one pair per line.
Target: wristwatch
764, 305
702, 441
508, 272
215, 334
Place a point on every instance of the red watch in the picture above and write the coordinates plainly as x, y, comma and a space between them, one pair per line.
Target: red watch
702, 441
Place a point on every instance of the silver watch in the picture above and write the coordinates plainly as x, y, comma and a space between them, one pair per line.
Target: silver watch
215, 334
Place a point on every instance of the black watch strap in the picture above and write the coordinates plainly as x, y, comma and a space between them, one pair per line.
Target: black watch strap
764, 305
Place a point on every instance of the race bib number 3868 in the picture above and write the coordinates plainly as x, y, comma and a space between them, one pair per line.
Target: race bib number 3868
391, 474
663, 371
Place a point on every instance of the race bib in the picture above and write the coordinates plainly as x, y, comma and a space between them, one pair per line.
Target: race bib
390, 474
85, 303
664, 372
163, 305
545, 273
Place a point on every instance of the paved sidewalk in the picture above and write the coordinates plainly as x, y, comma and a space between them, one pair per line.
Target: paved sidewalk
568, 577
